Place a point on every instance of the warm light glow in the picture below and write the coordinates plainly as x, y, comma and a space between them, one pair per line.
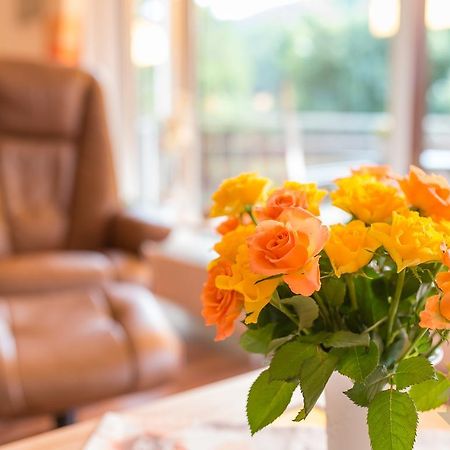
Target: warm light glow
437, 14
384, 18
66, 31
239, 9
149, 44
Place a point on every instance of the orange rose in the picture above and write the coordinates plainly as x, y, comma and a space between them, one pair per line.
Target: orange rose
289, 247
445, 255
436, 314
437, 308
280, 200
220, 307
380, 172
429, 193
443, 281
228, 225
291, 195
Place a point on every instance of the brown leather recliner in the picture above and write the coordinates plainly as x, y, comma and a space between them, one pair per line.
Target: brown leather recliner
74, 325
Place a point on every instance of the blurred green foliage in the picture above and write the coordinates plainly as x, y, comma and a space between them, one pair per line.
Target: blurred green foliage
327, 66
323, 63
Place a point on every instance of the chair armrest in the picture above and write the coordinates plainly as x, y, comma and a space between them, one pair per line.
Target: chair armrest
157, 350
130, 232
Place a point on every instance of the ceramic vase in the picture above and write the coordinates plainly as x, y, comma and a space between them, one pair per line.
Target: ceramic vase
346, 422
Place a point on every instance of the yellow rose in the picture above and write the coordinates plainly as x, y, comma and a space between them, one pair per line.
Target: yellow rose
243, 280
314, 196
228, 246
350, 247
367, 198
235, 194
444, 227
410, 239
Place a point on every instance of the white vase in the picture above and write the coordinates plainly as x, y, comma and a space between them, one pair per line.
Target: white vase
346, 422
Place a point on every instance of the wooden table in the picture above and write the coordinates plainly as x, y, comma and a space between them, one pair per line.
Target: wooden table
218, 402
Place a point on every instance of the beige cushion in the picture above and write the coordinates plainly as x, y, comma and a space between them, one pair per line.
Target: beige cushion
49, 363
49, 271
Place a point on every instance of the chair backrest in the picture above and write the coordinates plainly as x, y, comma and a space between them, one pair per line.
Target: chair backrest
57, 182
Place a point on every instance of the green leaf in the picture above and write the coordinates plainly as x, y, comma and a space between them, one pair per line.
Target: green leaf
358, 362
306, 309
278, 342
392, 420
362, 393
371, 272
314, 375
288, 360
267, 400
431, 393
257, 340
333, 290
373, 307
397, 348
413, 371
342, 339
316, 338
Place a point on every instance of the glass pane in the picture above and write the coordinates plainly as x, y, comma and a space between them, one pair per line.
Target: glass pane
436, 154
285, 86
149, 57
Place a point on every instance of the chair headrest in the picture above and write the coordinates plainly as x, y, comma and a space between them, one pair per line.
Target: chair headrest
42, 100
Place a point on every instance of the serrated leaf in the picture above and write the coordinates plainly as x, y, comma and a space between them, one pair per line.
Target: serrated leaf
267, 400
306, 309
342, 339
358, 362
374, 307
333, 290
431, 393
257, 340
397, 348
314, 375
392, 420
413, 371
362, 393
316, 338
288, 360
278, 342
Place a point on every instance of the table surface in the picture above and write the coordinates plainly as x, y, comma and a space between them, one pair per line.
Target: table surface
220, 402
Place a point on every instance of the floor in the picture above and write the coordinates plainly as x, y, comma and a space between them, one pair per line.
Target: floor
205, 363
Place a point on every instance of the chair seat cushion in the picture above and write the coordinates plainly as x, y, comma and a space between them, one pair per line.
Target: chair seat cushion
51, 271
63, 349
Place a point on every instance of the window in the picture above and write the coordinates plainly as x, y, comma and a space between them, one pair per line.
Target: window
436, 155
298, 89
150, 60
281, 88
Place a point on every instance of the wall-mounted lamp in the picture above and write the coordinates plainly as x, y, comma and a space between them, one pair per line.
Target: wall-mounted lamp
437, 15
384, 18
149, 43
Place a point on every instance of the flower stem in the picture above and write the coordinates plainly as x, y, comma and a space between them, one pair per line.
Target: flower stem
248, 210
375, 325
395, 303
352, 292
323, 309
275, 301
441, 340
413, 344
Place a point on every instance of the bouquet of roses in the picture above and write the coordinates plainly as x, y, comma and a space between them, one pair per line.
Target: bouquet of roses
369, 298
